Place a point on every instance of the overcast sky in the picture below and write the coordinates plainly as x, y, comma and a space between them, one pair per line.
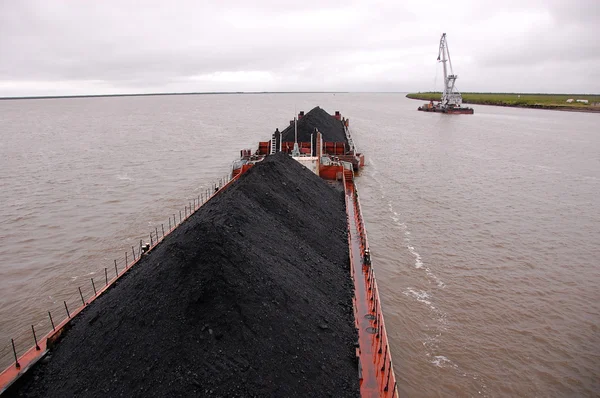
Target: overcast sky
51, 47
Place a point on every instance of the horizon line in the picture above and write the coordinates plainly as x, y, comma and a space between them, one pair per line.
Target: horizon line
262, 92
183, 93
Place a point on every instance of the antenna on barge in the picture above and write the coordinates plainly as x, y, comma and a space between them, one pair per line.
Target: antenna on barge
450, 96
296, 150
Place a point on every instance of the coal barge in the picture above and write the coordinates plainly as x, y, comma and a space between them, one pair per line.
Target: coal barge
265, 289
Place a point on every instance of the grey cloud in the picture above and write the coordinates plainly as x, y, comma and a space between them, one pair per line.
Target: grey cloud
570, 37
356, 45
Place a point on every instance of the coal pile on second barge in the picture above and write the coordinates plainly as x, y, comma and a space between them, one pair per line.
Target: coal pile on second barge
331, 129
251, 296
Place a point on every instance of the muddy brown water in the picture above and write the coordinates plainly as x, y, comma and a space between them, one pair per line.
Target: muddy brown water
484, 228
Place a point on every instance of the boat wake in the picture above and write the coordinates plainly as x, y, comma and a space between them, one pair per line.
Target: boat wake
431, 341
411, 249
395, 217
419, 295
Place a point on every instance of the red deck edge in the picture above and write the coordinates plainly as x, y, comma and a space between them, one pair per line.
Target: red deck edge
34, 354
376, 371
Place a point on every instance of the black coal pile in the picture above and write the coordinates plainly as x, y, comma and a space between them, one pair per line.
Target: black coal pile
251, 296
331, 129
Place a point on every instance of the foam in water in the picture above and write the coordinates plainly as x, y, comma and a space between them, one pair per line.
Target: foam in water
407, 234
418, 259
431, 339
441, 362
124, 177
420, 295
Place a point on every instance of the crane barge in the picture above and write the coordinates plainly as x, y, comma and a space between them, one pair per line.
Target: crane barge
451, 101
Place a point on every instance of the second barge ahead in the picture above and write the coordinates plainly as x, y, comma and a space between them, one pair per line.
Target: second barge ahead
315, 139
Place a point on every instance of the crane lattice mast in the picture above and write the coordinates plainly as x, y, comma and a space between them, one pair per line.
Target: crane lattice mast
450, 96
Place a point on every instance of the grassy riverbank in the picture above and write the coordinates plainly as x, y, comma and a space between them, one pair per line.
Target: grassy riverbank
543, 101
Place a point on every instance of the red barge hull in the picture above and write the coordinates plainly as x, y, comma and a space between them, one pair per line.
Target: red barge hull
448, 110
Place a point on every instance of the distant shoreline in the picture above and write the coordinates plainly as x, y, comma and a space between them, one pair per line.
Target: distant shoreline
158, 94
556, 102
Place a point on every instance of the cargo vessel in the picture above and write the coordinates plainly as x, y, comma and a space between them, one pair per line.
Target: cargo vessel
331, 157
451, 101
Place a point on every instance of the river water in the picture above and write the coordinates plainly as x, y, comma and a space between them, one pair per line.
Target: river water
484, 228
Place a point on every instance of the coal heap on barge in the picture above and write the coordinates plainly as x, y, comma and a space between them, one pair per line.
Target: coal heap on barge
330, 127
251, 296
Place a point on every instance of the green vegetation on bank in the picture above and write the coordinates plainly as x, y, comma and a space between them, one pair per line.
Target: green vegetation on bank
548, 101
